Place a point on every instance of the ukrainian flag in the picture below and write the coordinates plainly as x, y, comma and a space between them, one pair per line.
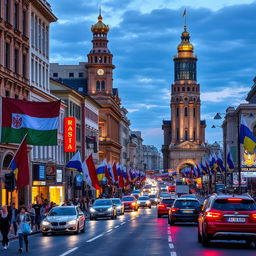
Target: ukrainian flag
101, 171
230, 162
246, 136
14, 169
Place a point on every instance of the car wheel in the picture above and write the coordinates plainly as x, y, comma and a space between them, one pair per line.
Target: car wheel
83, 229
44, 234
199, 237
205, 240
77, 229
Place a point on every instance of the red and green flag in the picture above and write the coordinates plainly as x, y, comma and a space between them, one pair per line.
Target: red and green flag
38, 120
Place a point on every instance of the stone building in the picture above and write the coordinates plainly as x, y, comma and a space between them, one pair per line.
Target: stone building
152, 158
136, 151
184, 134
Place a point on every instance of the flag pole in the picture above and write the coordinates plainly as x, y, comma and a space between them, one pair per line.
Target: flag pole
17, 151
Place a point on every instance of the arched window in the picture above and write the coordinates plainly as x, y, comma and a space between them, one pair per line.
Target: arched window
183, 89
95, 59
177, 111
103, 85
98, 85
178, 89
100, 59
174, 89
193, 89
7, 161
186, 135
105, 59
194, 112
188, 89
194, 134
185, 111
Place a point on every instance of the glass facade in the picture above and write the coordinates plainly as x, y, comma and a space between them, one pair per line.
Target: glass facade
185, 70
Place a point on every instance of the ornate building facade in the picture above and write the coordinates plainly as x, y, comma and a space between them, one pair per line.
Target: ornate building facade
184, 134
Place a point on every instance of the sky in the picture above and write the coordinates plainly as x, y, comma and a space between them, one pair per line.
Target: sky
143, 38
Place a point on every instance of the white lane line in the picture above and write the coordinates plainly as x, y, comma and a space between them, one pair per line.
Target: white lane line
117, 226
170, 239
69, 251
94, 238
173, 254
109, 230
123, 223
171, 246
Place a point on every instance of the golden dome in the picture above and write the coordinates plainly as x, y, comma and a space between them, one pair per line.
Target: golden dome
100, 27
185, 44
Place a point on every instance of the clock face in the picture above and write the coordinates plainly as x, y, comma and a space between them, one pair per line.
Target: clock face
100, 72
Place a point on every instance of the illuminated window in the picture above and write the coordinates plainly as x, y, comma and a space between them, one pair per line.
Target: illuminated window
103, 85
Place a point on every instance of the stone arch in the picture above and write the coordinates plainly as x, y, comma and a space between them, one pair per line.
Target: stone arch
184, 164
7, 157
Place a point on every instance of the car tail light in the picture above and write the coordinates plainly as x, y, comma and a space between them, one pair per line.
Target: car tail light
211, 215
235, 199
174, 210
253, 216
161, 206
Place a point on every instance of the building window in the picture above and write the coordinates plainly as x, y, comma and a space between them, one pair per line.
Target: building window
16, 16
7, 55
193, 89
40, 35
36, 32
188, 89
24, 65
103, 85
43, 36
16, 96
186, 135
36, 73
183, 89
47, 41
7, 94
71, 74
32, 70
178, 134
95, 59
43, 73
81, 74
7, 10
24, 23
98, 85
80, 89
185, 111
105, 59
178, 89
194, 112
177, 111
174, 89
78, 133
40, 74
32, 30
55, 74
194, 135
16, 60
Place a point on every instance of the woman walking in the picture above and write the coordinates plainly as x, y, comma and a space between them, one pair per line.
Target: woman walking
32, 213
23, 223
5, 226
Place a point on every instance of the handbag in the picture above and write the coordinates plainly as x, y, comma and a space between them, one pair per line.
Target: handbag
25, 228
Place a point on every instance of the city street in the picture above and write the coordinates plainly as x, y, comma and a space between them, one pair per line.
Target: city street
134, 234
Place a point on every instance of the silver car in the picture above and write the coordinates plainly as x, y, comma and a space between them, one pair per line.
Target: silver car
119, 205
144, 201
64, 219
103, 208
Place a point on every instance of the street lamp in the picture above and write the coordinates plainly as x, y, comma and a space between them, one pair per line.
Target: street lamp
218, 116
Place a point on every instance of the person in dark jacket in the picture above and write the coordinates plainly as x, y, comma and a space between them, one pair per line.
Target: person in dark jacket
13, 212
5, 226
23, 217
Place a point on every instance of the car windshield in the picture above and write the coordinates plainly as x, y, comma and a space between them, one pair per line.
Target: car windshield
152, 196
102, 202
136, 192
116, 201
143, 198
62, 211
127, 199
186, 204
226, 205
167, 201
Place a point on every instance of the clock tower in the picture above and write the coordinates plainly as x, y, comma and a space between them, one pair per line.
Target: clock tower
100, 67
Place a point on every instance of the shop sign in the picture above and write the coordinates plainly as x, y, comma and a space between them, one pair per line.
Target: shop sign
243, 179
69, 134
79, 180
51, 173
249, 174
39, 172
59, 176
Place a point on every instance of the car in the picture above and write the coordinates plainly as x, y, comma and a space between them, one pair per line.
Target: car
119, 205
188, 196
130, 203
164, 206
225, 217
103, 208
63, 219
184, 210
136, 193
154, 199
147, 189
143, 201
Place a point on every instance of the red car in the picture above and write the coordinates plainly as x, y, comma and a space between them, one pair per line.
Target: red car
226, 217
130, 203
164, 206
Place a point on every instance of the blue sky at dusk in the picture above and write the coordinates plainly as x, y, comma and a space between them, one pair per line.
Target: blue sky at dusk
144, 35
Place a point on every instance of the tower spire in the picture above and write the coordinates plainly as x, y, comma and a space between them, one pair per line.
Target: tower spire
185, 16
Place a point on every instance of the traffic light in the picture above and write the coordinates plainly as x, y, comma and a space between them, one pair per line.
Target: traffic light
9, 181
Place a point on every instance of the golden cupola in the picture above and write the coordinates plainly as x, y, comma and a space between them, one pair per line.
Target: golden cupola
185, 48
100, 27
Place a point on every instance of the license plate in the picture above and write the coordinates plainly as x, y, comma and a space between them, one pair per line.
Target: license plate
241, 220
187, 211
59, 227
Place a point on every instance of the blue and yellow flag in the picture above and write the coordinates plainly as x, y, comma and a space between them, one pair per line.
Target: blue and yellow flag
246, 136
230, 162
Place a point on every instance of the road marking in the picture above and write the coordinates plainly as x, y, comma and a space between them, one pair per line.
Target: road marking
173, 254
109, 230
123, 223
171, 246
94, 238
170, 239
117, 226
69, 251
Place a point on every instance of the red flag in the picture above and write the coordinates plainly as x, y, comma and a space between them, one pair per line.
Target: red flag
107, 175
127, 179
92, 172
20, 165
121, 180
115, 172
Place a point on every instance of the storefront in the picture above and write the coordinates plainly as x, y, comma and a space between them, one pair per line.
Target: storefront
48, 184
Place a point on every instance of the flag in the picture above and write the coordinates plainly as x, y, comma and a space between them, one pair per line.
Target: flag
19, 165
184, 13
203, 167
121, 180
213, 163
230, 162
86, 174
39, 120
108, 173
75, 162
92, 172
101, 171
220, 163
115, 172
246, 136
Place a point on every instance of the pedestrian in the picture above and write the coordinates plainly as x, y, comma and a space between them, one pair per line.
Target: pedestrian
5, 226
23, 218
13, 212
32, 213
37, 208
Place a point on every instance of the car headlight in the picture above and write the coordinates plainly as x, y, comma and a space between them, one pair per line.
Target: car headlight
72, 222
133, 204
92, 210
45, 223
148, 202
110, 209
119, 207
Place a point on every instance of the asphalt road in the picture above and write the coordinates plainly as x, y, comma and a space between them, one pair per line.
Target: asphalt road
134, 234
